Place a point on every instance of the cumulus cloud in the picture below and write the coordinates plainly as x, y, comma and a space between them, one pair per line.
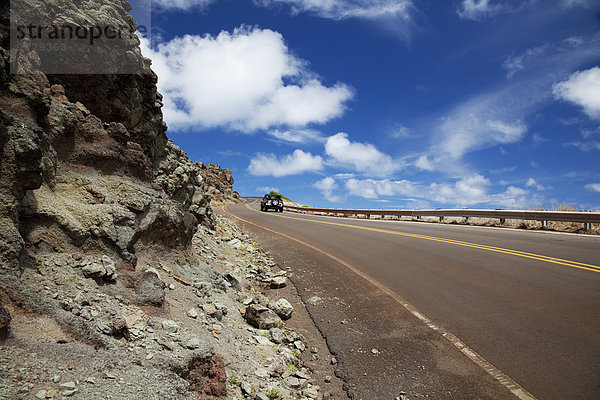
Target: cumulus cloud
478, 10
582, 88
362, 157
531, 182
593, 187
424, 163
291, 164
468, 191
328, 186
243, 80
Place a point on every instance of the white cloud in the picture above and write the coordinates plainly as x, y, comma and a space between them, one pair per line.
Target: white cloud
296, 135
467, 129
373, 188
244, 80
184, 5
291, 164
593, 187
468, 191
497, 115
531, 182
266, 189
327, 186
394, 15
586, 146
424, 163
342, 9
583, 89
576, 3
478, 10
362, 157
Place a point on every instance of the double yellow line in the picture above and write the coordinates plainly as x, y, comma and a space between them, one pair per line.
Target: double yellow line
533, 256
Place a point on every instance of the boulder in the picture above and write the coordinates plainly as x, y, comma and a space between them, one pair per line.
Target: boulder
150, 289
262, 317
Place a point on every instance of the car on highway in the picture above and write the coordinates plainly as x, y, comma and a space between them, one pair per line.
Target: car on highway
271, 201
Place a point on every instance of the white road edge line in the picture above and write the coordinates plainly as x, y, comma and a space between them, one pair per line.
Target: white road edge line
506, 381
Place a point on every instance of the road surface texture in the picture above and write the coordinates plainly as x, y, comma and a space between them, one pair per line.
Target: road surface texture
444, 311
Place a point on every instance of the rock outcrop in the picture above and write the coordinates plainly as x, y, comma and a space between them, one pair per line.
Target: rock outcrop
85, 161
219, 183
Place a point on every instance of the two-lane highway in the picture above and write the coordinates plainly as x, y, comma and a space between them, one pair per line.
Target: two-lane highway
526, 303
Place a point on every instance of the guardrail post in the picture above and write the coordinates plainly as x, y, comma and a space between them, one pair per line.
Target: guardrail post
588, 226
544, 224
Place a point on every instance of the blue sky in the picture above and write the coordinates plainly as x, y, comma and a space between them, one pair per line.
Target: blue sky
387, 103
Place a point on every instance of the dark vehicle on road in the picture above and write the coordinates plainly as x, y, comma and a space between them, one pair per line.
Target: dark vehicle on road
271, 201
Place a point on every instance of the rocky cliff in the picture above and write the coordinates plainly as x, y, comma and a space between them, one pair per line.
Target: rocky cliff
116, 279
85, 159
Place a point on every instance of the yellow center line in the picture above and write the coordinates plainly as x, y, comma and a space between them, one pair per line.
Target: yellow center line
518, 253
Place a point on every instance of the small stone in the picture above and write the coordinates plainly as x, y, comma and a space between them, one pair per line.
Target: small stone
170, 326
293, 382
94, 270
278, 282
375, 351
299, 344
333, 361
41, 394
327, 379
311, 392
192, 313
91, 380
301, 374
283, 308
261, 373
277, 335
150, 289
67, 385
171, 287
313, 301
149, 356
314, 350
70, 393
82, 299
193, 343
103, 327
246, 388
56, 378
262, 340
261, 396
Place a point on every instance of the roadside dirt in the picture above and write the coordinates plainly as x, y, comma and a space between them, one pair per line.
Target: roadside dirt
382, 350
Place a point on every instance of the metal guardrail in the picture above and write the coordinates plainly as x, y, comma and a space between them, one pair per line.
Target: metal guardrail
584, 217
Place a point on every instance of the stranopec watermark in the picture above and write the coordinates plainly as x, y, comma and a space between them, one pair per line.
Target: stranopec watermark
83, 41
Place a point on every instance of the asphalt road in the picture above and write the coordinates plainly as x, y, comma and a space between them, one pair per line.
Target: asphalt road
527, 304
